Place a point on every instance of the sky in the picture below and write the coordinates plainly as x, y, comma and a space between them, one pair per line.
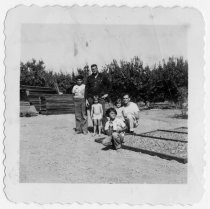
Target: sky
66, 47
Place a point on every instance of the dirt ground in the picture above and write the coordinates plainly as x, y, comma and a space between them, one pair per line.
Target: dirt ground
50, 152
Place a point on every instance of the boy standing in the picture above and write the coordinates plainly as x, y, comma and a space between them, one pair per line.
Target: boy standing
80, 106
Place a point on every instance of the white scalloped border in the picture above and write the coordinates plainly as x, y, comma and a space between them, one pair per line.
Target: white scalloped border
72, 6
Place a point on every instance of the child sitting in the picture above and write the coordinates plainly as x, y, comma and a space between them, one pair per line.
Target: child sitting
96, 115
114, 128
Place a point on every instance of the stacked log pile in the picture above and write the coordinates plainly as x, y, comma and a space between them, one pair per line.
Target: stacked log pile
35, 100
37, 90
24, 107
57, 104
34, 94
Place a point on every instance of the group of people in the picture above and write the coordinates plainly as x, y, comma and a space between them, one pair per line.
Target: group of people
113, 122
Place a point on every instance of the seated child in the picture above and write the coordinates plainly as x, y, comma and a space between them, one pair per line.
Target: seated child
114, 128
96, 115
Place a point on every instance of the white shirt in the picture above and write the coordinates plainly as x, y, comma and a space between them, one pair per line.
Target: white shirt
79, 91
117, 124
131, 109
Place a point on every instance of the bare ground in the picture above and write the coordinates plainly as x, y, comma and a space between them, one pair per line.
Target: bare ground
50, 152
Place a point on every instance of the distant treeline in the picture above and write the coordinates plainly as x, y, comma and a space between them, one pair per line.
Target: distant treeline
166, 81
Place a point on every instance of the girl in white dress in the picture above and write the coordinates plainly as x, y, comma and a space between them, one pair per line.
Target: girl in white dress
96, 115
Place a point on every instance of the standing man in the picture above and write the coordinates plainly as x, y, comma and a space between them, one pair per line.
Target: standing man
131, 113
97, 85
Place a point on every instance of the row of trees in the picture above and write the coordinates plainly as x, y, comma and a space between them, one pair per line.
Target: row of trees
166, 81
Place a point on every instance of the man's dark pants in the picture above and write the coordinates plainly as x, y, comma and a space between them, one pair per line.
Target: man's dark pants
80, 115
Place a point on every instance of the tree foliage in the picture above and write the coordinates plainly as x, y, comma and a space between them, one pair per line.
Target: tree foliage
33, 73
161, 82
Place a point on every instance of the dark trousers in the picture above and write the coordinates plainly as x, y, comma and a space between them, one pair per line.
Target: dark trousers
102, 102
80, 115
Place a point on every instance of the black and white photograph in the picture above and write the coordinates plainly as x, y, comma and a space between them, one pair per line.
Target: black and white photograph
103, 104
105, 100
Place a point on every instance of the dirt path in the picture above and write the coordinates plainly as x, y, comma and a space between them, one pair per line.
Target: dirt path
51, 152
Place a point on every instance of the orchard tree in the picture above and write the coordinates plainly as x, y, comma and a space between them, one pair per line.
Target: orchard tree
162, 82
32, 73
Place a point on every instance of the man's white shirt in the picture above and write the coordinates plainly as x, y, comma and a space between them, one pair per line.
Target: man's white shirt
131, 109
